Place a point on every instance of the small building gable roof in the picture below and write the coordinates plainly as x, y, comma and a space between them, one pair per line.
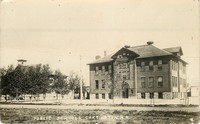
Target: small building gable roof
103, 60
174, 50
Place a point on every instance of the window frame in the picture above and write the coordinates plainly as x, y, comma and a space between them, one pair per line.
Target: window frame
142, 66
160, 63
151, 95
96, 84
97, 70
103, 96
160, 95
158, 83
151, 82
143, 96
151, 67
96, 96
103, 84
143, 84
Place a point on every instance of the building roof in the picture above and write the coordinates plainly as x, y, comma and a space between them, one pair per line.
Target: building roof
174, 50
144, 51
103, 60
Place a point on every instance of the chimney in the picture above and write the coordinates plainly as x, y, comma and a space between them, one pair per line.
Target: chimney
97, 57
150, 42
127, 46
105, 53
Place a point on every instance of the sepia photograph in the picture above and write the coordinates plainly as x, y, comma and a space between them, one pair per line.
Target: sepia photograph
100, 61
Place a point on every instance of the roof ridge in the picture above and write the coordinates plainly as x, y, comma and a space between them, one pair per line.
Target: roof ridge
162, 50
172, 47
138, 46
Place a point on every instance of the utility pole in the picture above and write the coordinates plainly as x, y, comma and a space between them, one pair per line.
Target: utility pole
81, 90
199, 34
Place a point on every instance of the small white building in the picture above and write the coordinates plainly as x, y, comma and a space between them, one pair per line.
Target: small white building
194, 95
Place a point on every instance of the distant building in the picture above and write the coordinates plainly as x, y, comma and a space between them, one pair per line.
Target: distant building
139, 72
194, 95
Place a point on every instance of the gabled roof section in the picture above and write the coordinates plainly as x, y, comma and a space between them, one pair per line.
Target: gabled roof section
146, 51
122, 50
103, 60
174, 50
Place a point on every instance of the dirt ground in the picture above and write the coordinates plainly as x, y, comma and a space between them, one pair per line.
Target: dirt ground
96, 116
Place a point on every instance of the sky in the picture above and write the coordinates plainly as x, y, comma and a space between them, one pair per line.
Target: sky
60, 32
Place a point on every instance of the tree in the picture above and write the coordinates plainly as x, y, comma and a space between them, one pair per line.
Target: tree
60, 84
38, 79
12, 81
74, 82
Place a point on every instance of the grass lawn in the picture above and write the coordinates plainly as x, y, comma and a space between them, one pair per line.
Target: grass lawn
24, 115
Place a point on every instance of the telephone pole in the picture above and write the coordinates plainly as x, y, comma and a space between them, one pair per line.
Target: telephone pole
81, 90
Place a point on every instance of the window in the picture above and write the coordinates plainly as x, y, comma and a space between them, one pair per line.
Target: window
151, 95
151, 65
110, 69
124, 75
175, 94
97, 84
103, 69
142, 82
110, 96
184, 69
103, 96
160, 81
142, 66
143, 95
160, 95
151, 81
119, 56
159, 64
97, 96
184, 83
97, 70
131, 91
103, 84
124, 70
174, 81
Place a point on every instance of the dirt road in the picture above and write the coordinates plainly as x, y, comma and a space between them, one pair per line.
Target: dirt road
84, 107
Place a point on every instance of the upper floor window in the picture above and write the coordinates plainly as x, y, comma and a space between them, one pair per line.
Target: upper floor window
103, 84
142, 66
151, 65
151, 81
97, 70
142, 82
110, 69
184, 83
124, 70
119, 56
174, 81
103, 69
160, 81
97, 84
184, 68
174, 65
159, 64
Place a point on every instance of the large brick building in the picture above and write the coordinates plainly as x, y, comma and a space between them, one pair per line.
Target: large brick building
139, 72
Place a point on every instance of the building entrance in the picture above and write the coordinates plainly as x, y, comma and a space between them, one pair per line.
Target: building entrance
125, 90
